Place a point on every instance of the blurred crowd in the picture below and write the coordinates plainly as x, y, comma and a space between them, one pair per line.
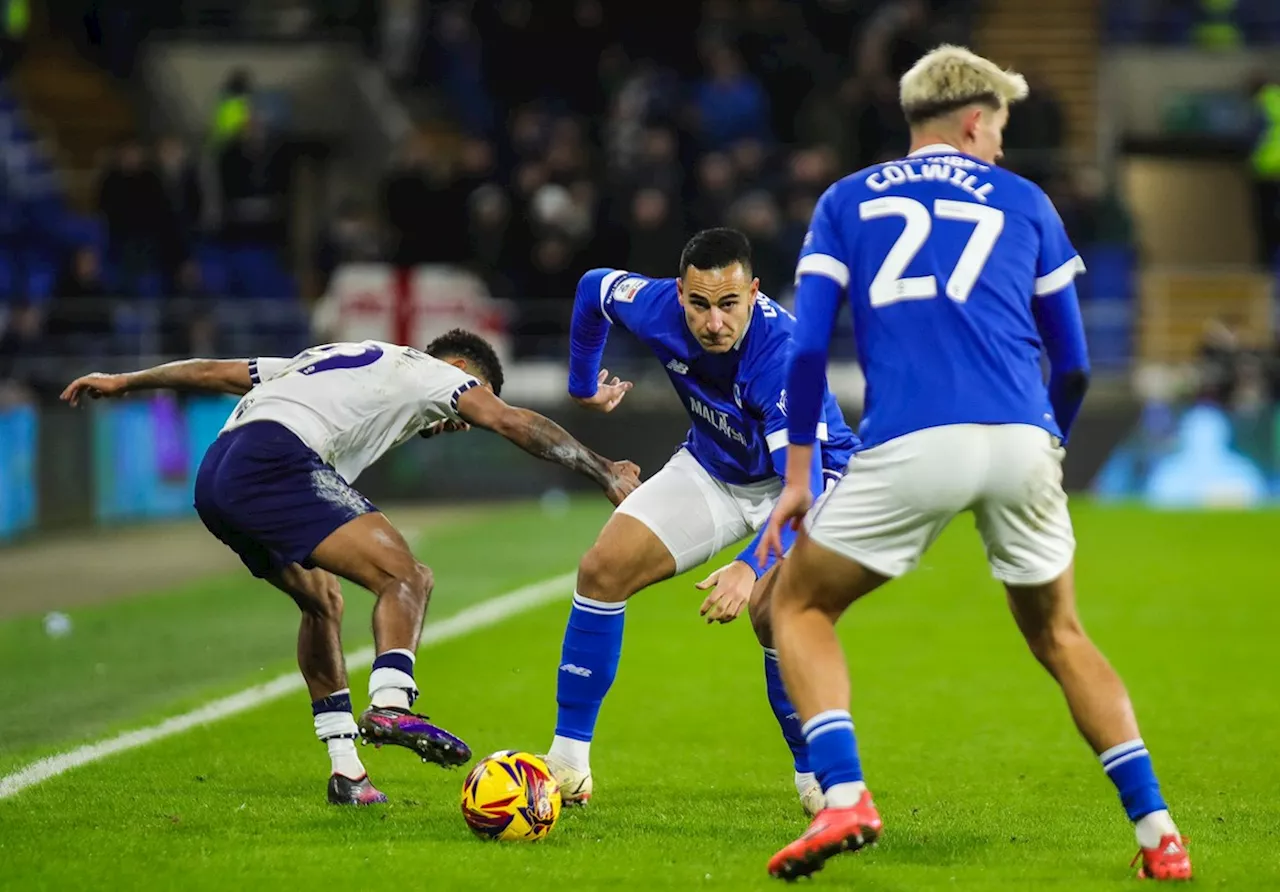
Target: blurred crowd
641, 127
566, 135
1210, 24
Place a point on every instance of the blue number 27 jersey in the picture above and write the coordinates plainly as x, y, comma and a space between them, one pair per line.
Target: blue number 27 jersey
942, 257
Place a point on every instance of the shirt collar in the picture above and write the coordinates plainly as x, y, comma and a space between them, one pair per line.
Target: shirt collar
938, 148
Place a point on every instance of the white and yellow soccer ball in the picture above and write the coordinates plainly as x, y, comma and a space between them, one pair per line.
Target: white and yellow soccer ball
511, 796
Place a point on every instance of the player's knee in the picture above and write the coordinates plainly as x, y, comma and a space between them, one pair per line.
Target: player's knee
421, 581
331, 603
409, 581
603, 576
1054, 643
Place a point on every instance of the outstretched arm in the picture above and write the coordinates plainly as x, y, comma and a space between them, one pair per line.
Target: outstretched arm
205, 375
540, 436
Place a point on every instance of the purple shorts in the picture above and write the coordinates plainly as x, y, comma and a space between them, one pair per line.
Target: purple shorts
270, 498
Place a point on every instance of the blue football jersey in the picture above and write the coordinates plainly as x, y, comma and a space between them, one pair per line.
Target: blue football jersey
942, 256
736, 401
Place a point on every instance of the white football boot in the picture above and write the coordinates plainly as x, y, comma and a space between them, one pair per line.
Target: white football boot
575, 785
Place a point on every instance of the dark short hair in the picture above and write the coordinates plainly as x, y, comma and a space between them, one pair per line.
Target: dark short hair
462, 344
926, 111
716, 249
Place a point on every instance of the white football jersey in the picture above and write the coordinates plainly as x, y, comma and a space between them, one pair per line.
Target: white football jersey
352, 402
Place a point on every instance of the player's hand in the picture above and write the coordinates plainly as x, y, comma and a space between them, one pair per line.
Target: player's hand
608, 393
791, 508
624, 477
95, 386
731, 587
444, 426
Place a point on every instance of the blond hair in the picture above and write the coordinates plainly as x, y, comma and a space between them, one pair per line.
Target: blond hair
951, 77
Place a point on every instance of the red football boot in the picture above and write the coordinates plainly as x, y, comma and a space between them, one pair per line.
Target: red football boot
1168, 861
834, 830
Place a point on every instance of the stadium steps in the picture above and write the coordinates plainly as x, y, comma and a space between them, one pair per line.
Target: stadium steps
1176, 304
75, 105
1059, 41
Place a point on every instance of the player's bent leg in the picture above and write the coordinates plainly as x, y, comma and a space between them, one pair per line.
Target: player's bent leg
1047, 617
814, 588
371, 552
318, 595
626, 558
674, 521
807, 786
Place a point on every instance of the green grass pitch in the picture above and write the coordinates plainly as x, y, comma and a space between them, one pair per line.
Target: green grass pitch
981, 779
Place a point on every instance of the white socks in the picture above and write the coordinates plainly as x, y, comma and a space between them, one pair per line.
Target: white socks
1150, 828
845, 795
345, 761
804, 780
574, 753
338, 731
391, 682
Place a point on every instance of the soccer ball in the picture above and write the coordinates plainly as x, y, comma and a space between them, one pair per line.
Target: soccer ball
511, 796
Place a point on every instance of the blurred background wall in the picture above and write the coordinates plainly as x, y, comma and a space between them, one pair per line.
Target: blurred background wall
221, 178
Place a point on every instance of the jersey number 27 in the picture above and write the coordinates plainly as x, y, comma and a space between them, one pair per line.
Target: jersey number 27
889, 286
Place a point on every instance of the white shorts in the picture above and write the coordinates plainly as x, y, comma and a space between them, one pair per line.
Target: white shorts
896, 498
693, 514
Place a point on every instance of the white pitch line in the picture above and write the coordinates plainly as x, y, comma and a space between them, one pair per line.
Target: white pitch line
482, 615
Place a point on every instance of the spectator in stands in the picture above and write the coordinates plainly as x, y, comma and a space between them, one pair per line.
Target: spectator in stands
423, 206
132, 200
350, 236
457, 70
716, 187
254, 179
890, 42
499, 249
184, 205
1036, 133
15, 17
190, 324
234, 108
655, 232
757, 214
400, 41
23, 345
544, 308
729, 103
1265, 167
781, 51
82, 313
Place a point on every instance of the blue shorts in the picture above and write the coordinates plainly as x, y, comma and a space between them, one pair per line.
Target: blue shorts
270, 498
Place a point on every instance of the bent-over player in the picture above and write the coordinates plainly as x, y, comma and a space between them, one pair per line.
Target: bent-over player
724, 346
276, 487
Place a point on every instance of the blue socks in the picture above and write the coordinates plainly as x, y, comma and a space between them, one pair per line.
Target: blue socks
1129, 767
784, 712
588, 665
833, 753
